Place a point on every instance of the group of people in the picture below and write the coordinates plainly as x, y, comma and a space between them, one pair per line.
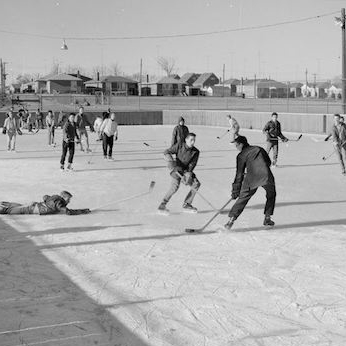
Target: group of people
253, 165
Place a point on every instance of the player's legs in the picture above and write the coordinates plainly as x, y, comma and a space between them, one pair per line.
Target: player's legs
271, 198
240, 204
64, 152
192, 193
71, 149
175, 183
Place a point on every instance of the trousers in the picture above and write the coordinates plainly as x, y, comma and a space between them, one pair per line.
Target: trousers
18, 209
51, 133
341, 154
11, 140
107, 144
175, 183
275, 146
67, 146
245, 196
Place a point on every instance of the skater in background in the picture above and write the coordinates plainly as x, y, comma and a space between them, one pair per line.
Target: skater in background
342, 120
234, 127
339, 141
256, 163
81, 123
55, 204
50, 123
39, 120
70, 136
10, 129
179, 132
97, 125
186, 158
273, 132
61, 119
109, 131
30, 121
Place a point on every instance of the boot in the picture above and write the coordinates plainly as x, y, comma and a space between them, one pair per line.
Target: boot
162, 209
268, 221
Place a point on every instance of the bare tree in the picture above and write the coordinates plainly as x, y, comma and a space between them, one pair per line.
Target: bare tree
167, 65
55, 68
115, 69
26, 78
75, 69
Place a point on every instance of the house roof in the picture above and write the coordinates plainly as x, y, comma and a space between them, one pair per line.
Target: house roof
232, 81
114, 79
296, 85
203, 78
169, 80
323, 85
83, 78
270, 84
185, 78
61, 76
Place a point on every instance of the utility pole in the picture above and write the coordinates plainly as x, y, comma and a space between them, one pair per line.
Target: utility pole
306, 82
2, 79
140, 83
343, 45
314, 74
223, 80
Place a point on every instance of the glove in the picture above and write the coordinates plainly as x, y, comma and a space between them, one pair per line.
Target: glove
285, 140
236, 190
77, 141
116, 138
4, 130
171, 165
187, 178
19, 132
77, 211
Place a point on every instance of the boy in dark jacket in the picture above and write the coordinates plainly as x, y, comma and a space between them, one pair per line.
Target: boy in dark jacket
256, 162
339, 141
179, 132
186, 158
68, 142
273, 131
55, 204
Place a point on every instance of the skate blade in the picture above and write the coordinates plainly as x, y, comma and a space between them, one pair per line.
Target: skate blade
190, 211
163, 212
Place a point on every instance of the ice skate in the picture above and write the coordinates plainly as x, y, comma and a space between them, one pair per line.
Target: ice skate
188, 208
268, 222
69, 167
62, 168
229, 224
162, 210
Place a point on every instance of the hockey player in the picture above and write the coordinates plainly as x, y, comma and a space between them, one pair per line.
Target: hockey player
56, 204
10, 129
256, 162
186, 158
82, 121
50, 123
109, 130
97, 124
273, 131
68, 142
179, 132
339, 141
234, 127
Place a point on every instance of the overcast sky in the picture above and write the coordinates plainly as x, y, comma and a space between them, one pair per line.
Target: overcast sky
282, 52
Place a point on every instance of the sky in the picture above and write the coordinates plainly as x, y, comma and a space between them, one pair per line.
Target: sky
280, 52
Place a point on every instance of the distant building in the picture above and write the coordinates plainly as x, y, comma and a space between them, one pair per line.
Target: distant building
83, 78
295, 89
322, 89
15, 88
189, 78
231, 84
59, 83
28, 87
170, 86
206, 80
335, 90
262, 88
116, 85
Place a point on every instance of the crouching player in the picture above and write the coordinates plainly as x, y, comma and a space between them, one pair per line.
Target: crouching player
186, 157
56, 204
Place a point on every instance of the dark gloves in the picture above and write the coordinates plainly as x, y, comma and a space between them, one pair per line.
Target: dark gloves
4, 130
187, 178
236, 190
77, 211
171, 165
285, 139
19, 132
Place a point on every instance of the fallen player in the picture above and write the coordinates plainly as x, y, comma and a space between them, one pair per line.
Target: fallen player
55, 204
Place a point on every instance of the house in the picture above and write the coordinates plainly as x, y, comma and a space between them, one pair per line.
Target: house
262, 88
335, 90
231, 84
170, 86
58, 83
189, 78
15, 88
83, 78
203, 83
322, 89
28, 87
308, 90
295, 89
116, 85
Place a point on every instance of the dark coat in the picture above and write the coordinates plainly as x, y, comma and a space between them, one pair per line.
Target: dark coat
339, 137
179, 134
69, 132
273, 131
256, 162
51, 205
186, 158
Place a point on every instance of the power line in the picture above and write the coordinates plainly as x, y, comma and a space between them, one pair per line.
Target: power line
208, 33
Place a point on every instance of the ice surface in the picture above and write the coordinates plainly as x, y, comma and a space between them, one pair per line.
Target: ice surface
157, 284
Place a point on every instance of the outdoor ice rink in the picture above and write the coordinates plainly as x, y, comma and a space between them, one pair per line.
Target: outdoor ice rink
126, 276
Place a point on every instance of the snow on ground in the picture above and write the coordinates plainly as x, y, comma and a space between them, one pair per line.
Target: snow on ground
125, 275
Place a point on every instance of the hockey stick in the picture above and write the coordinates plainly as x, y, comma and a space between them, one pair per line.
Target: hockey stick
151, 187
325, 158
296, 140
219, 137
199, 230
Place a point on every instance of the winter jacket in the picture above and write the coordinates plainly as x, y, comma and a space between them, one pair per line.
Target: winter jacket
273, 131
82, 121
50, 121
69, 132
10, 124
256, 162
186, 158
51, 205
109, 127
179, 134
339, 135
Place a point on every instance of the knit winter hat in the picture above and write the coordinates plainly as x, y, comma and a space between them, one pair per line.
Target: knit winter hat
181, 119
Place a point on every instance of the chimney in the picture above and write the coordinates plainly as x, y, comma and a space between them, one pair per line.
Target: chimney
98, 76
78, 74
